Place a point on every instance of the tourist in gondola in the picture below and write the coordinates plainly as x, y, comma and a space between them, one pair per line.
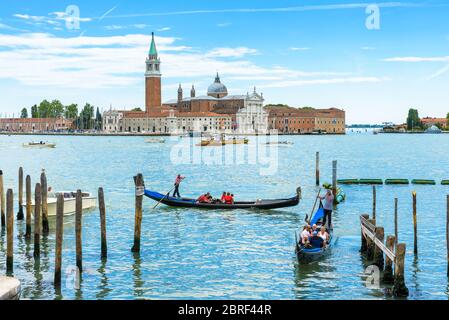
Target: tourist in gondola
305, 235
223, 197
204, 198
324, 235
178, 181
328, 207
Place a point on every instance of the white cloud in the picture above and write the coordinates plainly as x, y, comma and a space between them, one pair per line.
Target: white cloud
164, 29
41, 59
418, 59
299, 48
368, 48
232, 52
344, 80
224, 24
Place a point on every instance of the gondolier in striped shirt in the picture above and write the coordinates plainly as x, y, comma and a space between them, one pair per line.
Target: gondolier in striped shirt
328, 207
178, 181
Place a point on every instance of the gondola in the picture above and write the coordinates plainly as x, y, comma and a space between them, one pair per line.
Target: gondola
316, 251
192, 203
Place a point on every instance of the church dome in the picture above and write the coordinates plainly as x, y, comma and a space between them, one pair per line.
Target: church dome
217, 89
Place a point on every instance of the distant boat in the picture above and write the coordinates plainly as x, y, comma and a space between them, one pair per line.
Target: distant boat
221, 141
280, 143
155, 140
89, 202
433, 129
40, 144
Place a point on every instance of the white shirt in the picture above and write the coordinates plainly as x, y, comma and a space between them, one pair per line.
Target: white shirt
323, 235
305, 234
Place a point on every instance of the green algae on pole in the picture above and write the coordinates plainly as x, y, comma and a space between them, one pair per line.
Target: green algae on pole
371, 181
348, 181
423, 182
20, 213
9, 231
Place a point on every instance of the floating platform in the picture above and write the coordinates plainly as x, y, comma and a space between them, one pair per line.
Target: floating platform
371, 181
9, 288
445, 182
423, 181
397, 181
349, 181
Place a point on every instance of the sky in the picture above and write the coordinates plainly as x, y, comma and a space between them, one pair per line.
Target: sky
373, 59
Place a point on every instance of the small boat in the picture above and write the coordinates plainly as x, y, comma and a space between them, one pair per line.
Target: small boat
40, 144
280, 143
317, 249
257, 204
89, 202
222, 142
155, 140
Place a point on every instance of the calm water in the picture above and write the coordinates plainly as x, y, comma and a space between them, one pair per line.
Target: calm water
236, 254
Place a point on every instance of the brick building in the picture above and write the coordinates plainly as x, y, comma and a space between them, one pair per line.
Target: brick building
35, 124
307, 121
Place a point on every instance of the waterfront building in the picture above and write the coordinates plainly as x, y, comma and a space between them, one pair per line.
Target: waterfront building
439, 122
113, 121
35, 124
252, 118
307, 121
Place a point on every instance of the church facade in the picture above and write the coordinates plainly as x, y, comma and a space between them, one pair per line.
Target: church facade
216, 111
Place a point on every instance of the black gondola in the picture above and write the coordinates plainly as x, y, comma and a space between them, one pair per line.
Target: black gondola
192, 203
317, 249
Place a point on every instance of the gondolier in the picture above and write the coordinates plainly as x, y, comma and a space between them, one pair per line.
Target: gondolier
178, 181
328, 206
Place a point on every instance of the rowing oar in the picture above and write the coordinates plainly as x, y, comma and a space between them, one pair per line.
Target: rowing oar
168, 193
314, 205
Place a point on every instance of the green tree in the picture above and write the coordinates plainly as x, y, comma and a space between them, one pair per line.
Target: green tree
137, 109
71, 111
44, 109
98, 120
447, 120
34, 111
413, 120
24, 113
86, 117
56, 109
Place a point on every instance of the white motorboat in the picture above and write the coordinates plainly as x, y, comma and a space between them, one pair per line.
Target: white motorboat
155, 140
89, 202
40, 144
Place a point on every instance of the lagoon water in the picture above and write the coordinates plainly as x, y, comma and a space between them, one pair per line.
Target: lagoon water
197, 254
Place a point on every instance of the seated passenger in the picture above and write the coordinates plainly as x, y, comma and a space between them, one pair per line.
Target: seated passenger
223, 197
305, 234
324, 235
228, 198
204, 198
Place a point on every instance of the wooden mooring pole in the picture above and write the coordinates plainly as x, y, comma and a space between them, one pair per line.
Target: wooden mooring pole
78, 230
378, 254
20, 212
2, 201
317, 168
139, 183
9, 231
28, 207
363, 248
37, 221
374, 202
45, 227
334, 178
104, 246
415, 226
399, 288
370, 244
447, 232
59, 238
388, 271
395, 221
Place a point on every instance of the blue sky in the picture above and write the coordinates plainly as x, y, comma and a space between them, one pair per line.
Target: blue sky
315, 53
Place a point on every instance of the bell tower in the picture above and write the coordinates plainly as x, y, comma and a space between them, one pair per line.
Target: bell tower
152, 79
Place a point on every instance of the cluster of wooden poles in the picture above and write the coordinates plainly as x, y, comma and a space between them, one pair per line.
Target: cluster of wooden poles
41, 225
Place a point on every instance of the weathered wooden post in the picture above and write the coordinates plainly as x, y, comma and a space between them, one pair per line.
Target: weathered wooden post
9, 231
28, 208
415, 226
2, 201
59, 237
139, 183
78, 230
334, 178
378, 253
388, 271
370, 243
45, 227
395, 221
447, 232
317, 170
399, 288
363, 248
374, 202
37, 222
20, 212
104, 247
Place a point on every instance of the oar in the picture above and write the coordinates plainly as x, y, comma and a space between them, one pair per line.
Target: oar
168, 193
314, 205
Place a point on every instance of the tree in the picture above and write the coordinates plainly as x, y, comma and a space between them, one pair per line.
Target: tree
98, 120
24, 113
34, 112
447, 120
413, 120
44, 109
86, 116
56, 109
137, 109
71, 111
